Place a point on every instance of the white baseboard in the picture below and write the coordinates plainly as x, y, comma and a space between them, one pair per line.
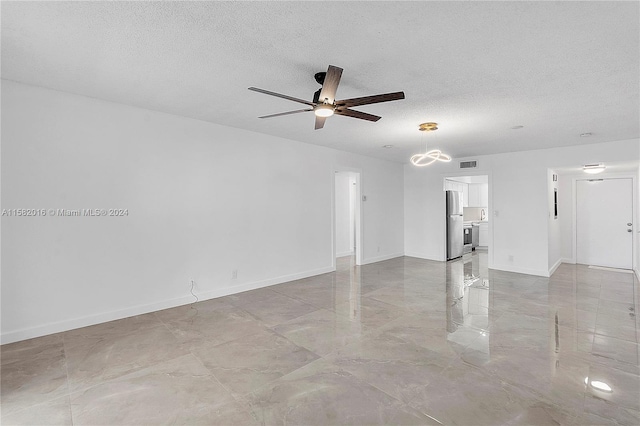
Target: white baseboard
344, 253
380, 258
60, 326
554, 267
416, 255
507, 268
518, 270
569, 260
423, 256
264, 283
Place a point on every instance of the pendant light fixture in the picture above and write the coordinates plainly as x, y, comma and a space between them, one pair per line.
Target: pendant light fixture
432, 156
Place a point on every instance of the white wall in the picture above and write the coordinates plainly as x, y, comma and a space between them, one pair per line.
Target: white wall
203, 200
518, 203
382, 213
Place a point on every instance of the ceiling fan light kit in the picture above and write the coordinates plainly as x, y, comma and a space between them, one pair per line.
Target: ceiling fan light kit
324, 110
429, 157
329, 105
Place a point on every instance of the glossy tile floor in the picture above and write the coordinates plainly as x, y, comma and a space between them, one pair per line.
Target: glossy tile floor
405, 341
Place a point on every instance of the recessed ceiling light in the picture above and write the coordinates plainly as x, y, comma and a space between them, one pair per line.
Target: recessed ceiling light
518, 127
592, 169
387, 146
585, 135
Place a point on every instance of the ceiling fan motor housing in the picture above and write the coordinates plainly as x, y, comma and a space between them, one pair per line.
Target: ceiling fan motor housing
319, 76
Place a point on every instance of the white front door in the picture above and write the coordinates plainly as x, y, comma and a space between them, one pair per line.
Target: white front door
604, 215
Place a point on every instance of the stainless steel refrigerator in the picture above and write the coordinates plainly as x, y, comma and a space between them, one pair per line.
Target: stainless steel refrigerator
455, 243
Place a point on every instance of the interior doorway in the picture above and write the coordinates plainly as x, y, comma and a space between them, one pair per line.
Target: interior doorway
604, 222
476, 207
347, 241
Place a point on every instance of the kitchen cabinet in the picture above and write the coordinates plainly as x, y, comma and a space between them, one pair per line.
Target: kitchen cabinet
484, 195
473, 195
465, 194
483, 234
451, 185
478, 195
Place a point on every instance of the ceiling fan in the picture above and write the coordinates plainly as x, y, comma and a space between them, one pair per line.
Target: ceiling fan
324, 103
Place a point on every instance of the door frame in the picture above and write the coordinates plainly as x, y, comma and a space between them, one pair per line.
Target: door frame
462, 173
358, 213
634, 210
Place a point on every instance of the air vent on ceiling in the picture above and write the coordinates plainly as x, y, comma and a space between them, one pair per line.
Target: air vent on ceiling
468, 164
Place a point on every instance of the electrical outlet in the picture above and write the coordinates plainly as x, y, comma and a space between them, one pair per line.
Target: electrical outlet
378, 249
234, 274
510, 258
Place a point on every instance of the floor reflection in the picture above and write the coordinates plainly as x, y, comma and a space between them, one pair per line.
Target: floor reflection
403, 341
467, 289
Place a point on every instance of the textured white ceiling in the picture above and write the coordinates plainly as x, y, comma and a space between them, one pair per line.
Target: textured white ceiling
478, 68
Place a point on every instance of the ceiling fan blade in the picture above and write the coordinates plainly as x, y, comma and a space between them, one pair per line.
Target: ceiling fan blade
279, 95
320, 122
374, 99
286, 113
357, 114
330, 85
